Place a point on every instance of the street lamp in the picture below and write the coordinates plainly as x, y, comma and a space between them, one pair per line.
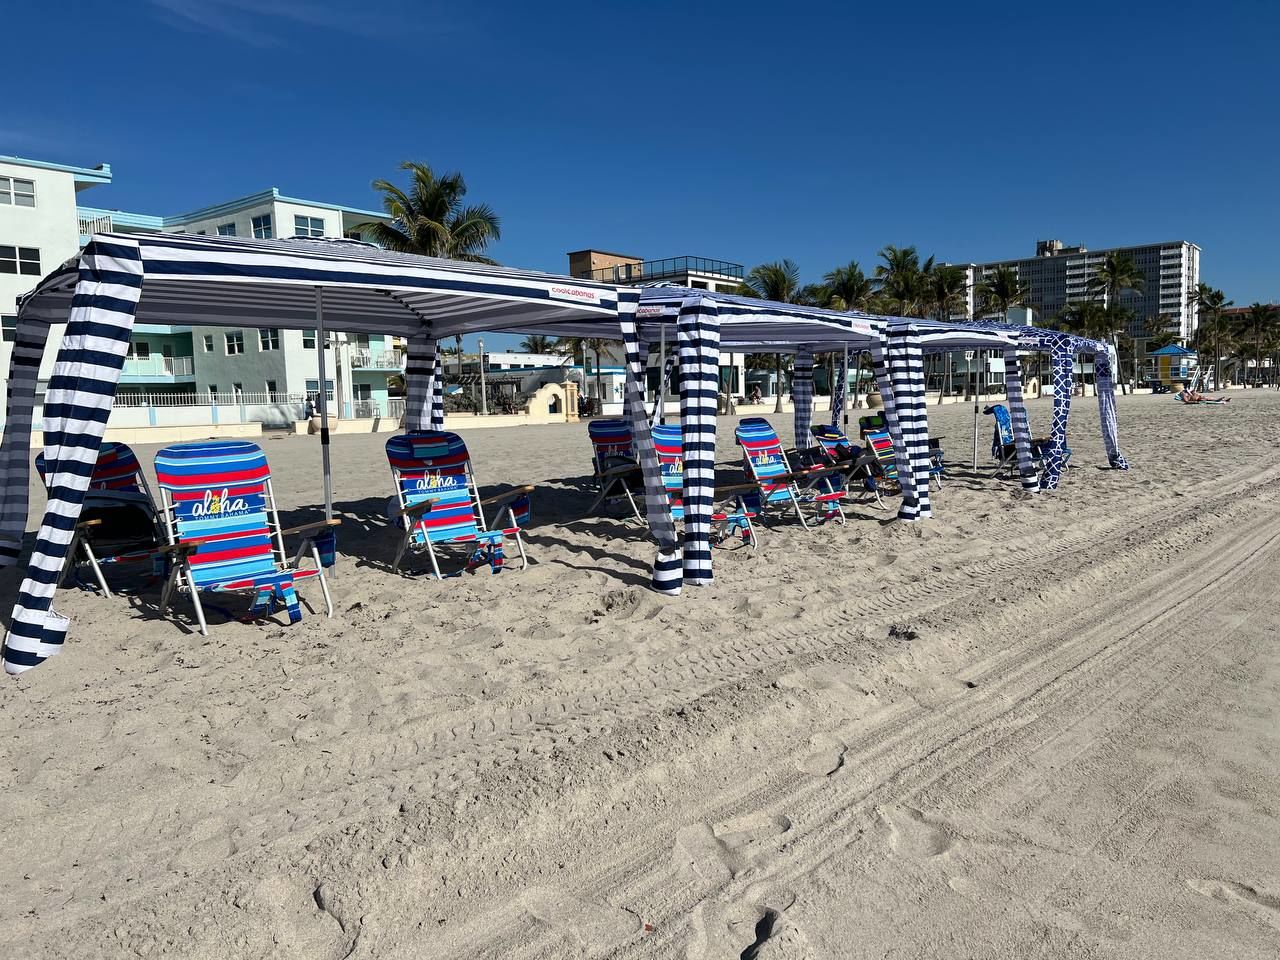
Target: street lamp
484, 394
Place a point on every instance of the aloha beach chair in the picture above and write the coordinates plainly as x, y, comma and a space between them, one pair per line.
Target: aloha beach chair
763, 458
118, 523
440, 504
1003, 449
668, 440
220, 520
617, 472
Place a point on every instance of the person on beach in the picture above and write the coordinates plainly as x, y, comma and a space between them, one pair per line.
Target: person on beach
1191, 396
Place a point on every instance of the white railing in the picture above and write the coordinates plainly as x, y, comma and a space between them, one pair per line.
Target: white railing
159, 366
386, 360
129, 399
395, 408
90, 225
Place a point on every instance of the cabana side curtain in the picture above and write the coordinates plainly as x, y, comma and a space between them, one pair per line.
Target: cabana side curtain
698, 333
77, 404
906, 376
802, 393
424, 385
15, 454
842, 386
1062, 364
1103, 367
668, 568
1018, 414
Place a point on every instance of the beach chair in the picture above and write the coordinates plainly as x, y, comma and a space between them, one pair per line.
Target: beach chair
1003, 449
875, 423
617, 472
857, 464
118, 520
763, 458
725, 523
440, 504
219, 516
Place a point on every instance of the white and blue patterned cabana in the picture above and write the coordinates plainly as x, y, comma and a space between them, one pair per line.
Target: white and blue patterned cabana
118, 280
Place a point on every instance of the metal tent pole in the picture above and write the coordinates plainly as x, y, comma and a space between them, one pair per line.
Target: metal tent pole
662, 372
322, 342
976, 387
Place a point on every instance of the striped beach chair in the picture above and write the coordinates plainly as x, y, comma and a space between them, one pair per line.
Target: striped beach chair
856, 463
440, 505
668, 440
118, 521
875, 423
219, 515
613, 457
763, 458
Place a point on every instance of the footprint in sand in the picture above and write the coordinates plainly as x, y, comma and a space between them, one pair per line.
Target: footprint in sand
826, 756
740, 928
1253, 896
718, 853
592, 925
913, 834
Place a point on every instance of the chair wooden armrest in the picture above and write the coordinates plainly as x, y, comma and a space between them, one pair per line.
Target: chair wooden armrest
86, 524
318, 525
618, 471
509, 495
416, 510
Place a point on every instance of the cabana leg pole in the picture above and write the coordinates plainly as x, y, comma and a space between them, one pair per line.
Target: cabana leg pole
662, 376
323, 403
977, 383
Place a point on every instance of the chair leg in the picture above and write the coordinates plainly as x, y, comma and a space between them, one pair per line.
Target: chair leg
324, 581
435, 565
524, 559
404, 545
635, 508
166, 595
195, 602
97, 569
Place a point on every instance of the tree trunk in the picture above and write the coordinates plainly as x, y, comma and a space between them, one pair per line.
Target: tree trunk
777, 369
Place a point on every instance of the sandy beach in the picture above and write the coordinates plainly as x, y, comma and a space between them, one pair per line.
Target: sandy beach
1029, 728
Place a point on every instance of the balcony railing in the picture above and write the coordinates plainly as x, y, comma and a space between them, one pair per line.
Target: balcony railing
89, 225
386, 360
665, 269
159, 366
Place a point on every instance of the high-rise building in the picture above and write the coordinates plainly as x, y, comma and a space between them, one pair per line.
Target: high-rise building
1058, 276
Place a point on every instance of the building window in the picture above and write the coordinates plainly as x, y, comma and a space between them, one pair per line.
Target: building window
226, 229
268, 339
237, 391
308, 339
213, 393
262, 227
208, 343
353, 235
140, 351
308, 226
18, 193
271, 390
199, 233
8, 328
313, 388
235, 343
20, 260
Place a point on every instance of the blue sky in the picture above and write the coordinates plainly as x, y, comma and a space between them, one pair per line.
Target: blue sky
742, 131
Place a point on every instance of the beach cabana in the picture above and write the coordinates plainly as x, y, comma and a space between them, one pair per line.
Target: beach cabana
328, 285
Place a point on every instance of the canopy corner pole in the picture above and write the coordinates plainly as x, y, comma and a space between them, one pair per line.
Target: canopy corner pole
322, 401
977, 385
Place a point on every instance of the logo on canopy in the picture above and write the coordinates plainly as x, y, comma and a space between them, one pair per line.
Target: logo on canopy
574, 294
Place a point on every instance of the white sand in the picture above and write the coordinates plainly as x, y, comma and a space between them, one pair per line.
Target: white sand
1028, 728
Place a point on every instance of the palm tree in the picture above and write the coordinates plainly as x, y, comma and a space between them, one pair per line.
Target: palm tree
1000, 291
1260, 322
1210, 303
780, 282
850, 288
945, 289
431, 220
901, 279
1117, 272
536, 343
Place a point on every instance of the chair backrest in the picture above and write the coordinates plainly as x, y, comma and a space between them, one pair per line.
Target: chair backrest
433, 465
668, 440
610, 438
118, 469
872, 423
882, 445
831, 439
764, 457
1004, 424
220, 490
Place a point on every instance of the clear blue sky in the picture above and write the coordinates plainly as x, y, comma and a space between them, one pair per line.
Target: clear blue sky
743, 131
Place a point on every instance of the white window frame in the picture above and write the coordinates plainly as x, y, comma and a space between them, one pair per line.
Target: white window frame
227, 229
268, 339
213, 392
313, 388
305, 226
9, 192
309, 335
238, 340
262, 227
208, 343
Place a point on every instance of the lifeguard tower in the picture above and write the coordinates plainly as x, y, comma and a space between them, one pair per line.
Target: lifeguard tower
1171, 365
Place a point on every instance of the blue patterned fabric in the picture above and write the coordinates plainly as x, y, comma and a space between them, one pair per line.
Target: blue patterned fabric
841, 389
1062, 363
1105, 380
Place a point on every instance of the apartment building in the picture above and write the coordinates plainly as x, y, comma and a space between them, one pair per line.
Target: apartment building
1059, 276
175, 364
